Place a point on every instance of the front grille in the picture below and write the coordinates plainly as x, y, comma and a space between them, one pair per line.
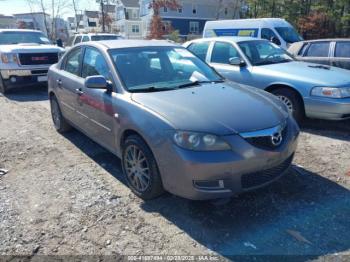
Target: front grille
259, 178
39, 72
38, 58
265, 142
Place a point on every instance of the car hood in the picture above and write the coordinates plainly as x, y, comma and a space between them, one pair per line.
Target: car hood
30, 48
219, 109
313, 74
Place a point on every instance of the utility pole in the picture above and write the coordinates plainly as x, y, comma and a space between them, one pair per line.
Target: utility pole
103, 15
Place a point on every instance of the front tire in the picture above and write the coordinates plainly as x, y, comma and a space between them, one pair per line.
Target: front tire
140, 169
292, 101
60, 123
3, 89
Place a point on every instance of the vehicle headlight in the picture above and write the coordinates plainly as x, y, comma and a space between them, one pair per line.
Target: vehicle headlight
199, 141
331, 92
9, 58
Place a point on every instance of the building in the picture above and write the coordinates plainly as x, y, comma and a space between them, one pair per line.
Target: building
128, 21
91, 21
72, 23
191, 16
37, 21
7, 22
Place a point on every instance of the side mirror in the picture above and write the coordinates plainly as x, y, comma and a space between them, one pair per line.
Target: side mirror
275, 40
236, 61
97, 82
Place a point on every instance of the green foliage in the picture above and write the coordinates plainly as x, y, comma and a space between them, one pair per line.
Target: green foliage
323, 18
175, 36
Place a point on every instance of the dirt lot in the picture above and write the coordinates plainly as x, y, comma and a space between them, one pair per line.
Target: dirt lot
65, 195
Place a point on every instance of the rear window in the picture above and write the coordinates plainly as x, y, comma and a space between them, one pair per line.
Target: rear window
342, 49
320, 49
200, 49
77, 40
104, 37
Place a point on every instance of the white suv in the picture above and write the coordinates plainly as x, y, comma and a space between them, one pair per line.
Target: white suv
25, 57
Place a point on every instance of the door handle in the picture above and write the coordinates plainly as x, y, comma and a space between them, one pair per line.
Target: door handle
79, 91
59, 82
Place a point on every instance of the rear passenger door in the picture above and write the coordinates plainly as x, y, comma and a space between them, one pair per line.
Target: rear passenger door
68, 83
318, 52
341, 55
96, 104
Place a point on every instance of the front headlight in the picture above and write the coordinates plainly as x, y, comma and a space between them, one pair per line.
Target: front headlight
199, 141
9, 58
331, 92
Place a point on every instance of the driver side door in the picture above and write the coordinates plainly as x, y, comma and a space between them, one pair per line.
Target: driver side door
97, 103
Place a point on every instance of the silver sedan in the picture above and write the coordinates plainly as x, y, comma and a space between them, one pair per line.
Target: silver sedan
174, 122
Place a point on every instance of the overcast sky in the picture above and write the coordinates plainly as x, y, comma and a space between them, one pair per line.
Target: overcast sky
9, 7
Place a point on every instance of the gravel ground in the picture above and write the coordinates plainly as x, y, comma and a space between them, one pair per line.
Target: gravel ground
65, 195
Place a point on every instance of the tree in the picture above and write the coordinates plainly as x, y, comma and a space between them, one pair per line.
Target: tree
232, 6
157, 27
105, 18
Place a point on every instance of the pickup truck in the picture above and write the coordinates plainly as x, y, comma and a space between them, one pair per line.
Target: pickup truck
25, 57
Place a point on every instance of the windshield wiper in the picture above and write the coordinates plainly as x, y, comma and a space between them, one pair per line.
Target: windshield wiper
196, 83
149, 89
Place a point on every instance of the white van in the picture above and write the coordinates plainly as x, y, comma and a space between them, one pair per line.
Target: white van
276, 30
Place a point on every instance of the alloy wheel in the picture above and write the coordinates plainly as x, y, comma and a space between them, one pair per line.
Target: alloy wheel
137, 168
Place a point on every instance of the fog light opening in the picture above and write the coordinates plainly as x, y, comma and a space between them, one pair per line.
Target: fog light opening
209, 185
13, 79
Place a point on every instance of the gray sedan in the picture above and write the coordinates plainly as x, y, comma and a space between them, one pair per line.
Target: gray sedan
312, 90
174, 122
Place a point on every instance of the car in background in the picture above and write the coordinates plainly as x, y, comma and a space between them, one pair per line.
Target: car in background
276, 30
174, 122
332, 52
81, 38
25, 57
317, 91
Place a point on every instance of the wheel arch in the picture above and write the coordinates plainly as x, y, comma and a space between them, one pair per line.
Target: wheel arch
274, 87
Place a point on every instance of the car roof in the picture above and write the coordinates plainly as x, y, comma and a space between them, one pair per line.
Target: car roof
115, 44
235, 39
20, 30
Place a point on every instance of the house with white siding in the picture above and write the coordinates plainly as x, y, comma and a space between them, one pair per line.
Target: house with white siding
128, 22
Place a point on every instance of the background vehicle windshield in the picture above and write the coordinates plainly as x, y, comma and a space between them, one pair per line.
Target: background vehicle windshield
289, 34
264, 53
10, 38
103, 37
160, 68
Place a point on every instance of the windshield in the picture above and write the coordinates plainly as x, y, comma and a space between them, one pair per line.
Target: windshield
104, 37
264, 53
289, 34
10, 38
160, 68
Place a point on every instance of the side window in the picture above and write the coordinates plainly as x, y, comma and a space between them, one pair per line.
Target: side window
86, 38
200, 49
94, 64
267, 34
320, 49
77, 40
73, 61
342, 49
302, 50
222, 52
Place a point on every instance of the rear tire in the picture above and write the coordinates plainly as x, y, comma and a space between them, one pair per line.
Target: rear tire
3, 89
291, 99
60, 123
140, 169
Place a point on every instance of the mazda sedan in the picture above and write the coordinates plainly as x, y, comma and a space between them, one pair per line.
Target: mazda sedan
174, 122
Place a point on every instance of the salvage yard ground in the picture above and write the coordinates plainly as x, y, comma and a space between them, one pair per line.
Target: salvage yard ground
65, 195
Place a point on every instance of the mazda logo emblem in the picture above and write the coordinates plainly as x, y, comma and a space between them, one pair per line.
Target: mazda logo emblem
276, 138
